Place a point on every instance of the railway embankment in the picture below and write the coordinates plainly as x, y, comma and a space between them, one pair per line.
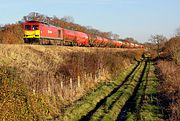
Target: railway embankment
47, 82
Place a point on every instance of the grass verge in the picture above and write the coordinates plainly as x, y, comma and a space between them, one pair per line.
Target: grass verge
113, 113
88, 102
144, 106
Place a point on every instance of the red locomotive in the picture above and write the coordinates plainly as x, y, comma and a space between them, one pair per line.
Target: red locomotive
43, 33
40, 32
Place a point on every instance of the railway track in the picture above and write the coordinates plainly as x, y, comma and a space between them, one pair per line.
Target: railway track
117, 103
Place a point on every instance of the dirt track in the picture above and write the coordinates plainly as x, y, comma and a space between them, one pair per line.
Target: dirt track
125, 101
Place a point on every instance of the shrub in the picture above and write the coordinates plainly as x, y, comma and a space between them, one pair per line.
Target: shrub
173, 47
170, 89
12, 34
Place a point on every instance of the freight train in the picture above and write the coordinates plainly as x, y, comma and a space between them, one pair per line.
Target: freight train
43, 33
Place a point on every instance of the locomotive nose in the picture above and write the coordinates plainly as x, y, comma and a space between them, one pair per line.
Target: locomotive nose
32, 34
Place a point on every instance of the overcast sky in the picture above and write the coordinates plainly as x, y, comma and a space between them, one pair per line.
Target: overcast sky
128, 18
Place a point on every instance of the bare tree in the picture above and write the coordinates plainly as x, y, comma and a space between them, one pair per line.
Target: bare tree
174, 48
158, 40
131, 39
115, 36
178, 31
33, 16
68, 19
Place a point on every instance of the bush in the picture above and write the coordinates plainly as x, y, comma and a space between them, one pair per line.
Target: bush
170, 89
173, 47
12, 34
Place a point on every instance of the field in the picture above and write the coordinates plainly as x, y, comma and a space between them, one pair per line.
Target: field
39, 82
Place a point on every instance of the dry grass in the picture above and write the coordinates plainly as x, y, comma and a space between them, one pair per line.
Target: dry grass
170, 89
52, 76
168, 64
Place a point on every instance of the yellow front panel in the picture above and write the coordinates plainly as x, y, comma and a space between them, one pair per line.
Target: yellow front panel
32, 34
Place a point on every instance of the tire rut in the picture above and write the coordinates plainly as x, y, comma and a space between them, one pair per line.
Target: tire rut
131, 102
105, 107
102, 102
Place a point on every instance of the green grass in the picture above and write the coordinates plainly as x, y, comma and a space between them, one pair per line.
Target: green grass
127, 93
147, 110
101, 112
133, 113
88, 102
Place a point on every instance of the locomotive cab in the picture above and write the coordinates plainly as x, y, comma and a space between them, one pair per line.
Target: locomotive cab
31, 32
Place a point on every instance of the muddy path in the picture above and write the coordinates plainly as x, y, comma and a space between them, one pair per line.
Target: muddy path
130, 105
102, 102
115, 95
132, 96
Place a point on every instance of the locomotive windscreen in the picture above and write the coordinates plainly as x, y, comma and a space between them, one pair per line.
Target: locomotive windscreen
28, 27
35, 27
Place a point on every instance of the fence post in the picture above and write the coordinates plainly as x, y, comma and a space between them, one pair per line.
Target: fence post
103, 71
71, 85
95, 78
34, 92
79, 81
49, 88
61, 84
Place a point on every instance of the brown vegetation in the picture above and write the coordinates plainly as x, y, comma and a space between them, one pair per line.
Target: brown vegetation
168, 70
170, 89
38, 80
12, 34
173, 48
158, 44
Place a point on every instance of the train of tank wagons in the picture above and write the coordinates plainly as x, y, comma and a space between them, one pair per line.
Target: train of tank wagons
43, 33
